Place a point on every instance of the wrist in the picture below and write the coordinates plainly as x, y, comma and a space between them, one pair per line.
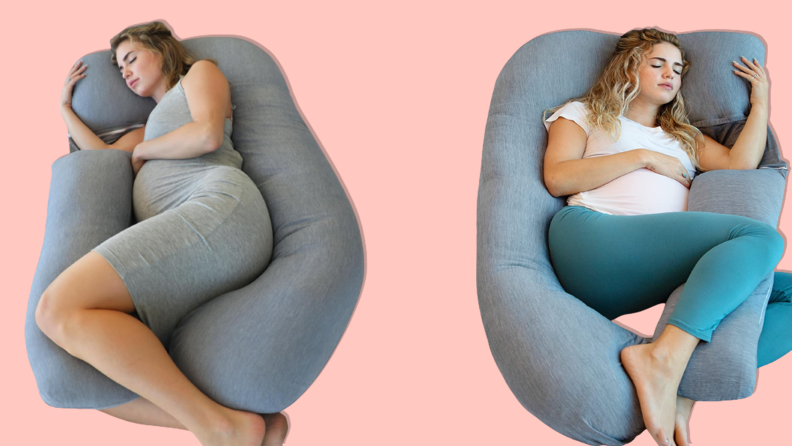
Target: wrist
760, 107
642, 158
137, 153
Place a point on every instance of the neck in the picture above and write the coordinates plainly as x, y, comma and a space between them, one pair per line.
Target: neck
159, 92
642, 112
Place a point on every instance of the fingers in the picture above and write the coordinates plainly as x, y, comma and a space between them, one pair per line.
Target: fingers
76, 73
751, 71
754, 66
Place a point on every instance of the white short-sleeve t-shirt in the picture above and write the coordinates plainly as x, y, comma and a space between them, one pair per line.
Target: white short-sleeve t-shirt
640, 191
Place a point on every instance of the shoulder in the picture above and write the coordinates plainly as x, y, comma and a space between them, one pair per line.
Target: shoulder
202, 66
575, 106
573, 111
204, 73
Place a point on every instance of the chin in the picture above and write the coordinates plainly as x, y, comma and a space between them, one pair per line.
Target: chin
666, 100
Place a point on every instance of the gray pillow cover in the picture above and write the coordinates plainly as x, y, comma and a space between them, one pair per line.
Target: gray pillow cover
757, 194
257, 348
559, 357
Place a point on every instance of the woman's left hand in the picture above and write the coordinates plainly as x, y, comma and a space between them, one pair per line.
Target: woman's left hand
758, 78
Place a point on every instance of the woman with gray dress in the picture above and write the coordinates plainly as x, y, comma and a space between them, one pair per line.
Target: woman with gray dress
199, 235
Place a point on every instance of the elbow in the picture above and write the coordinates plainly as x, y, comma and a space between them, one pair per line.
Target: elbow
212, 141
742, 166
214, 145
551, 187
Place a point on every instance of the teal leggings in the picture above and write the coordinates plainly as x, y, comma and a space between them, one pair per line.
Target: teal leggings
621, 264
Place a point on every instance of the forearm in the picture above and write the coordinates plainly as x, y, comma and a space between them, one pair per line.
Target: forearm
79, 132
750, 145
573, 176
188, 141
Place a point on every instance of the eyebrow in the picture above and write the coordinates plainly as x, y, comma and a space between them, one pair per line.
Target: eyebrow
124, 59
675, 63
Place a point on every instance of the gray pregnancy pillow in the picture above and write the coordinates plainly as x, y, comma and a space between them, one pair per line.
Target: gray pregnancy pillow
257, 348
558, 356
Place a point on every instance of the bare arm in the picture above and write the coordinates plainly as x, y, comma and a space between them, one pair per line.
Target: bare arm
188, 141
749, 148
130, 140
80, 133
206, 90
566, 172
747, 151
750, 145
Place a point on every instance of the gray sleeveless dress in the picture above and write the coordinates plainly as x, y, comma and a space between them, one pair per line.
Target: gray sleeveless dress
203, 227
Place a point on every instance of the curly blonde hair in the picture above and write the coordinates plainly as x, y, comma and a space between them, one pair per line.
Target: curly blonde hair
157, 38
618, 85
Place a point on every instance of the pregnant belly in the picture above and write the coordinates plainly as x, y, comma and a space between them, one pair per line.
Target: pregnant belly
638, 192
161, 185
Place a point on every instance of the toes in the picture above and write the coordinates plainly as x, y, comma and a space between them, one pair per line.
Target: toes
681, 438
662, 438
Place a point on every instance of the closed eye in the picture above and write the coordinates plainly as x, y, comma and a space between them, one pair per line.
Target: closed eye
131, 60
660, 66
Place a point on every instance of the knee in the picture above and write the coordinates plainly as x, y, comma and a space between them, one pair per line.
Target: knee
45, 313
50, 318
768, 240
776, 244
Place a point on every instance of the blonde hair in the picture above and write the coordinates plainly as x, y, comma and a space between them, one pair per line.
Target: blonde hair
157, 38
618, 85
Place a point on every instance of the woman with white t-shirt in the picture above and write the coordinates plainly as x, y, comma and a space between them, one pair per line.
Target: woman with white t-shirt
625, 154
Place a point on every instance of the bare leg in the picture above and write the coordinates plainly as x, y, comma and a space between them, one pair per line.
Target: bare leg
656, 369
143, 411
85, 311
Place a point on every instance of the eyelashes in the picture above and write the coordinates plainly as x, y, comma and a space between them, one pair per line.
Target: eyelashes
121, 70
660, 66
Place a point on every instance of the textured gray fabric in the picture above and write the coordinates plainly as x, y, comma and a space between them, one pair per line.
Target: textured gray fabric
559, 357
257, 348
725, 367
203, 229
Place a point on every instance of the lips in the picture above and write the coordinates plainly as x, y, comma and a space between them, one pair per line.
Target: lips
133, 83
668, 86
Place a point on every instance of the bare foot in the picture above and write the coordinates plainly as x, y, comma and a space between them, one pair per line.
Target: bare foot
277, 428
657, 387
682, 429
238, 429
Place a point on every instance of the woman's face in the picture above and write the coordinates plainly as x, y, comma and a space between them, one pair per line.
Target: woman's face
139, 67
659, 74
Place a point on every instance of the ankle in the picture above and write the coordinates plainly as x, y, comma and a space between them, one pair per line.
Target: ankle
664, 358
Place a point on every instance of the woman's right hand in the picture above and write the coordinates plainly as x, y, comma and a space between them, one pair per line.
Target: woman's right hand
76, 73
667, 165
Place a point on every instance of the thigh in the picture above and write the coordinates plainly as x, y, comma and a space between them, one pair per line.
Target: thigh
217, 241
620, 264
89, 283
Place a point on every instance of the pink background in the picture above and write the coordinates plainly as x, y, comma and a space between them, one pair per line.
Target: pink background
398, 97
